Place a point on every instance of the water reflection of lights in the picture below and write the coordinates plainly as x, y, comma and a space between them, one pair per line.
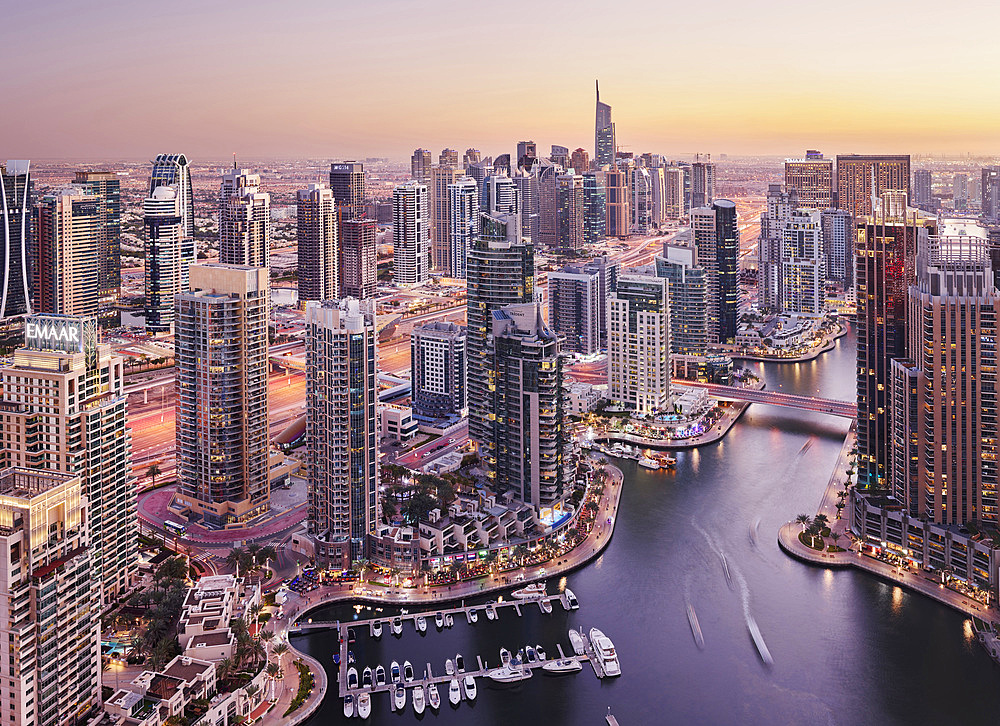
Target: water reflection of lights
897, 599
967, 630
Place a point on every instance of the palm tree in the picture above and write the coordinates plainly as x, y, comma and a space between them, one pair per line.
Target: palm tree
821, 522
804, 520
280, 649
224, 668
252, 550
152, 472
836, 537
265, 635
272, 670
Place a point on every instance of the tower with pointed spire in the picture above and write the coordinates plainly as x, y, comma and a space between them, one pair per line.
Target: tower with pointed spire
604, 133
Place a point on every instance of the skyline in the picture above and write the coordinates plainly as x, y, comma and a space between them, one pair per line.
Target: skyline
277, 89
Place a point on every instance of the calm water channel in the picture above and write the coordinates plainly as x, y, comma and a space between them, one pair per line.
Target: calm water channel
847, 648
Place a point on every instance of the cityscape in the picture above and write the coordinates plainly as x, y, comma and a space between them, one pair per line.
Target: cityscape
668, 422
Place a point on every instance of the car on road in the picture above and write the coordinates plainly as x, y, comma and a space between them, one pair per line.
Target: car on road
451, 441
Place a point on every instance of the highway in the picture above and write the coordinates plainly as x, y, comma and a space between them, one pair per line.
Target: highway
427, 453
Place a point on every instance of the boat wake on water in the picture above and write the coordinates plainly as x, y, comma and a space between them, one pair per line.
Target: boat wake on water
758, 639
754, 530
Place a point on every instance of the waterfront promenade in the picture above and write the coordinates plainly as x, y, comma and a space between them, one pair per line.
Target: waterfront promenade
917, 581
829, 344
297, 606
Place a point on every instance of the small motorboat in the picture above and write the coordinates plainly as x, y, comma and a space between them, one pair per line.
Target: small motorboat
336, 658
399, 698
352, 678
504, 657
454, 692
439, 620
350, 657
534, 590
377, 629
449, 667
459, 664
545, 606
576, 640
394, 672
564, 665
366, 677
348, 705
380, 675
364, 705
508, 674
470, 688
491, 611
532, 656
473, 616
351, 635
421, 624
407, 671
397, 627
539, 652
571, 600
418, 700
449, 620
433, 696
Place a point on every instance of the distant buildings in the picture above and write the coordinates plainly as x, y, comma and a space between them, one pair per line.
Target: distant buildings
244, 220
923, 197
569, 212
462, 223
318, 248
991, 193
641, 199
604, 134
438, 359
442, 177
107, 188
65, 276
341, 429
811, 180
639, 344
960, 191
579, 161
702, 184
448, 157
411, 233
616, 203
420, 166
222, 426
15, 225
717, 239
802, 263
594, 209
575, 308
358, 266
861, 178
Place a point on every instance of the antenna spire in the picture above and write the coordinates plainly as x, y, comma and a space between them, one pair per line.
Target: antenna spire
597, 87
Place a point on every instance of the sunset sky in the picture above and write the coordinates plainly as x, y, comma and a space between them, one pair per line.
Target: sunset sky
380, 77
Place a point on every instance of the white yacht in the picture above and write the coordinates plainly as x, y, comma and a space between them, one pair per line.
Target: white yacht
539, 652
459, 664
576, 640
366, 677
422, 624
454, 692
397, 626
605, 651
491, 611
648, 463
348, 705
565, 665
407, 671
449, 667
439, 620
504, 657
399, 698
571, 600
352, 677
418, 700
377, 629
364, 705
433, 696
394, 672
470, 688
473, 616
536, 589
380, 675
545, 606
509, 674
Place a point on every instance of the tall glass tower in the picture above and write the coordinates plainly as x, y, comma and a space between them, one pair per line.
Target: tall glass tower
604, 133
15, 206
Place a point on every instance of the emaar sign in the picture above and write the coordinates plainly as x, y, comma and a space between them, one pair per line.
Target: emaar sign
54, 332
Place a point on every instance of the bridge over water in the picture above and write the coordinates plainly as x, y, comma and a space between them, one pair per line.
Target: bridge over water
829, 406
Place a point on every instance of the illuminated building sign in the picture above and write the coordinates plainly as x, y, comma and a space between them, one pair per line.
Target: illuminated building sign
63, 333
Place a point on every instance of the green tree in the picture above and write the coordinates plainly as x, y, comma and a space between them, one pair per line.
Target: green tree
804, 520
280, 649
821, 522
152, 472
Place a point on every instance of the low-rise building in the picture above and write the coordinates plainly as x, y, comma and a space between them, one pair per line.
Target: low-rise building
397, 423
395, 547
583, 397
208, 608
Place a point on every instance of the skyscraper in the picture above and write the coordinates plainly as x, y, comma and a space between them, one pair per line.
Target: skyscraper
448, 157
717, 239
604, 134
222, 430
856, 174
838, 245
569, 212
526, 183
673, 193
15, 196
167, 270
107, 188
174, 170
442, 177
641, 197
991, 193
51, 624
500, 272
462, 222
639, 344
64, 410
607, 270
811, 180
358, 268
341, 399
65, 274
526, 150
547, 184
560, 157
438, 360
420, 166
923, 197
802, 263
347, 182
594, 211
575, 308
471, 156
616, 204
318, 248
960, 191
702, 184
688, 298
500, 195
886, 246
244, 220
411, 233
528, 426
579, 160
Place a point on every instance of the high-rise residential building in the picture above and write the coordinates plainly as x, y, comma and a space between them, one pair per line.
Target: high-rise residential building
923, 197
569, 211
594, 212
64, 410
944, 400
560, 157
478, 172
702, 184
220, 334
717, 239
658, 192
65, 270
579, 161
856, 175
50, 625
575, 308
411, 221
347, 182
616, 202
358, 266
802, 263
547, 184
500, 271
318, 245
167, 266
530, 434
471, 156
639, 344
502, 165
607, 270
811, 179
500, 195
960, 191
838, 245
641, 198
688, 298
442, 177
463, 223
107, 188
244, 220
526, 150
420, 166
604, 134
884, 257
448, 157
673, 192
780, 205
975, 194
174, 170
15, 196
341, 428
991, 193
527, 194
438, 360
